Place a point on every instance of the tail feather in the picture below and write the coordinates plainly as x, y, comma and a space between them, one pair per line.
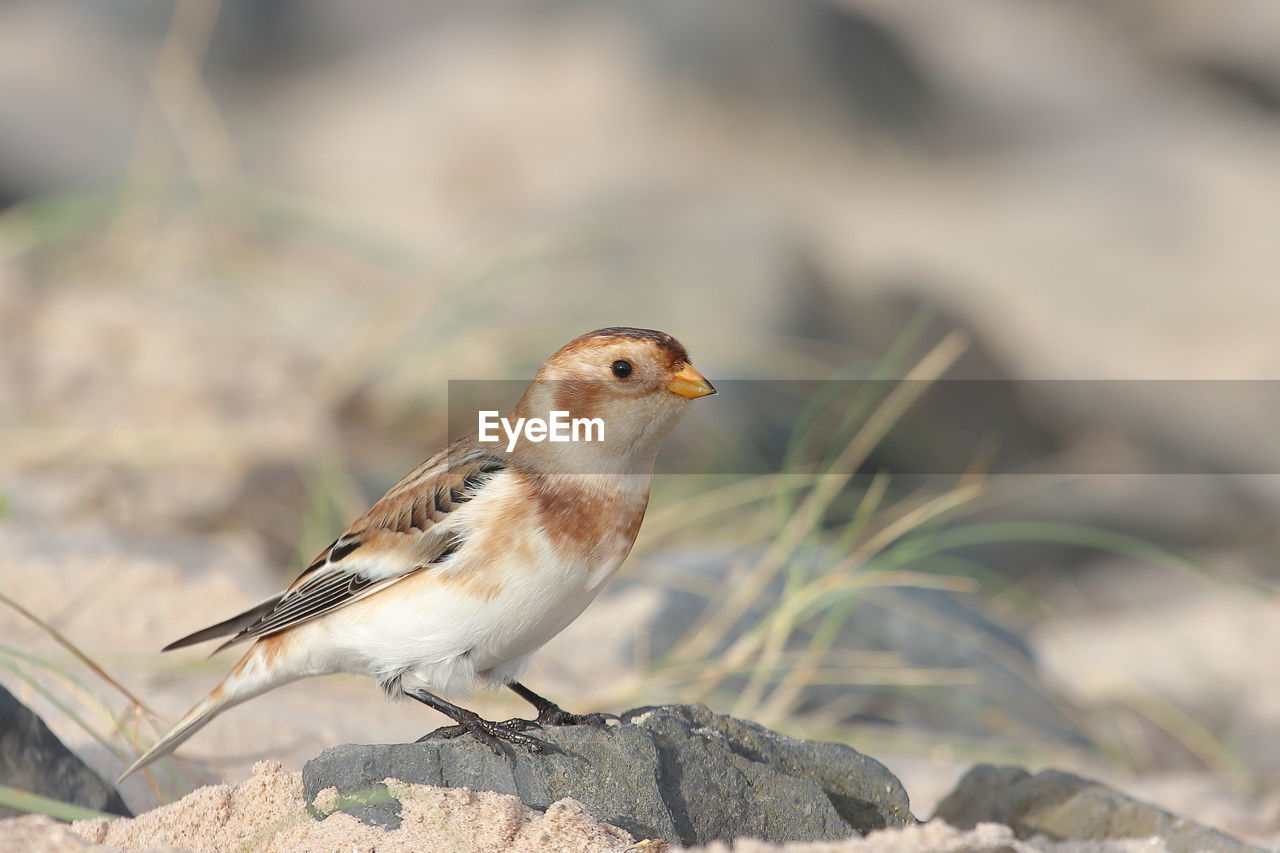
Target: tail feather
252, 676
192, 722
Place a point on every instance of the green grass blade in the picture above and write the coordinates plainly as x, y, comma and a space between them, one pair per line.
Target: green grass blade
25, 801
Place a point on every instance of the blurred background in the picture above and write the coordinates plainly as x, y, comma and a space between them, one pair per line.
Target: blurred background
245, 246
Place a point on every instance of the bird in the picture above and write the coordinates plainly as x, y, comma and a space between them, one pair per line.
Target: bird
475, 559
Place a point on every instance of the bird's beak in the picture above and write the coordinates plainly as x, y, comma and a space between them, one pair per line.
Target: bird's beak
690, 383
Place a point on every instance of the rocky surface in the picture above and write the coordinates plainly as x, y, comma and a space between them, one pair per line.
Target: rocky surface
678, 773
1064, 806
32, 759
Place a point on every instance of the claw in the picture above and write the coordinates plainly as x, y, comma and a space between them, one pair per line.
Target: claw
491, 733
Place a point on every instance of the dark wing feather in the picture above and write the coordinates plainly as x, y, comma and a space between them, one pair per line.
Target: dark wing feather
319, 595
401, 527
227, 626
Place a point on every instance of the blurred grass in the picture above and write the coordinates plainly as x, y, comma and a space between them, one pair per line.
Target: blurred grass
913, 542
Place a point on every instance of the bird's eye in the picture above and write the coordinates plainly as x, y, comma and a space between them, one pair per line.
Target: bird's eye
621, 369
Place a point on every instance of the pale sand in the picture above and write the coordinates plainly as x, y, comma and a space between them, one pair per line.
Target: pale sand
938, 837
267, 813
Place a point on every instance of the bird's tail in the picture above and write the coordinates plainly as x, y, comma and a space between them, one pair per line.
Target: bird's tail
251, 677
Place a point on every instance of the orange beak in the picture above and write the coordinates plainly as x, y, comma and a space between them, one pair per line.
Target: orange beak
690, 383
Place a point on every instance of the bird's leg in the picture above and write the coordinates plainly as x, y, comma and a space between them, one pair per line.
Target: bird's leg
469, 722
551, 714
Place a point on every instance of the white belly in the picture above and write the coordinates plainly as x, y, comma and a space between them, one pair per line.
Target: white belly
450, 638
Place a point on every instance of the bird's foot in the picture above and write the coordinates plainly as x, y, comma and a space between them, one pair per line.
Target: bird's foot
491, 733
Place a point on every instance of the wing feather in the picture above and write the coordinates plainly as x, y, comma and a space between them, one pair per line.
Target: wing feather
399, 535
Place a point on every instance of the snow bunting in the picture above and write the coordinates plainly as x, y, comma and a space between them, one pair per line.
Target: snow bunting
472, 562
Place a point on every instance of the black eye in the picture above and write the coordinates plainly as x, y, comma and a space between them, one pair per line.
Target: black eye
621, 369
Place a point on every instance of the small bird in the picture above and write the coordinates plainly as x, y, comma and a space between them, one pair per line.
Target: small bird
477, 558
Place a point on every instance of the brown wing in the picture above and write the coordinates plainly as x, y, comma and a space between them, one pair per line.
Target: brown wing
399, 535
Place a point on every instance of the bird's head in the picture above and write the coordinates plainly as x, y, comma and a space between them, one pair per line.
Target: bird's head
636, 382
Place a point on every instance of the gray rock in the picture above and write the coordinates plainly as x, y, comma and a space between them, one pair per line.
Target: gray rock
676, 772
1062, 806
33, 759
